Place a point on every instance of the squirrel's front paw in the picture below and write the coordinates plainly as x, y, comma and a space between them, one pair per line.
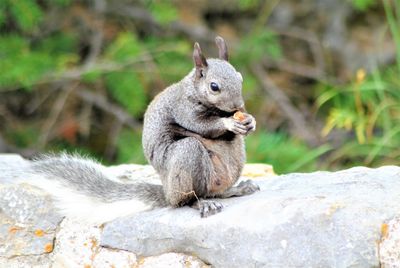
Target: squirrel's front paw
235, 126
241, 127
249, 122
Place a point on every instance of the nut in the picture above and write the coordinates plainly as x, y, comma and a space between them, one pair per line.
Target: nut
239, 116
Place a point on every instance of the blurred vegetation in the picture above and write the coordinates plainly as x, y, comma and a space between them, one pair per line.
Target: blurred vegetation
321, 77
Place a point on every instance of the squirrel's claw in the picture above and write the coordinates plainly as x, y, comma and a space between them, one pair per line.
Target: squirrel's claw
209, 207
250, 123
247, 187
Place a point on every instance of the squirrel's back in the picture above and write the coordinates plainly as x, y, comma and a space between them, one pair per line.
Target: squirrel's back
157, 133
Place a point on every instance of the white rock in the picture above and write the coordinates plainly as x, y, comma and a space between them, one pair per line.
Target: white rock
328, 219
173, 260
77, 245
389, 247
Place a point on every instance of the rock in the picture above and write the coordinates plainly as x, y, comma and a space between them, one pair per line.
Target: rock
77, 245
127, 173
28, 224
34, 261
389, 253
321, 219
177, 260
32, 234
8, 163
28, 221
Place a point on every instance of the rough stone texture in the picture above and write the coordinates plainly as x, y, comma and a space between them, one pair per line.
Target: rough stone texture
28, 221
31, 261
28, 224
320, 219
389, 248
77, 245
175, 260
32, 234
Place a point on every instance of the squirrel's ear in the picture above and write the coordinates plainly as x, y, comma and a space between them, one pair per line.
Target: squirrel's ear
199, 60
222, 48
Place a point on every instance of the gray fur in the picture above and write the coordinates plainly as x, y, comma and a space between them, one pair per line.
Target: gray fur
188, 124
85, 176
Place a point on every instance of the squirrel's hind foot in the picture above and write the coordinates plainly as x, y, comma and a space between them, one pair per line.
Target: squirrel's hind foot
243, 188
208, 207
246, 188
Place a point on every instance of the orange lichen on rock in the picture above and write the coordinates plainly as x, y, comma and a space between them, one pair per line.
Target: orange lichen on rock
94, 244
48, 247
384, 230
39, 232
13, 229
239, 116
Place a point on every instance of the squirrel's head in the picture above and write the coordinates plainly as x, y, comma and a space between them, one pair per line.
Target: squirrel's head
216, 81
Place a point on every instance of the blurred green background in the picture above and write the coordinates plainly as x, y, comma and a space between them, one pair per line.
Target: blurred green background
322, 77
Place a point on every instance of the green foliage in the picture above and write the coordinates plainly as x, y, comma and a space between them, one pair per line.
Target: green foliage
26, 13
369, 106
19, 64
23, 135
3, 6
61, 3
247, 4
392, 10
59, 44
130, 148
25, 65
91, 76
172, 64
163, 11
362, 5
127, 89
172, 56
284, 153
125, 48
249, 85
257, 45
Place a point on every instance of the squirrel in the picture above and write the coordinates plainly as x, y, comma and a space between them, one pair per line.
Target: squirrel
190, 137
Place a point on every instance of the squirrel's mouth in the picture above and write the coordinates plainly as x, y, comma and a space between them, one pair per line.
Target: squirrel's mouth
214, 111
232, 111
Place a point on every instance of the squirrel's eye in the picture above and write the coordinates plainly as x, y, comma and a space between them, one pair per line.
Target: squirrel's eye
214, 86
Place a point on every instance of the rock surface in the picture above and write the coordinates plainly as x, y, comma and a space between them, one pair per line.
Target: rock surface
390, 244
28, 224
321, 219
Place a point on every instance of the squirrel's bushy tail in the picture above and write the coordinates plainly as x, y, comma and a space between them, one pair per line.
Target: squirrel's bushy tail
82, 188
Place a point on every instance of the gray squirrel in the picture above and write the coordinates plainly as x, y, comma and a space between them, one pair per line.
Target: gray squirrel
189, 136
